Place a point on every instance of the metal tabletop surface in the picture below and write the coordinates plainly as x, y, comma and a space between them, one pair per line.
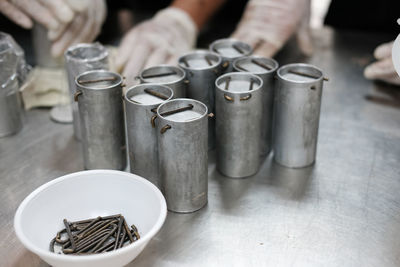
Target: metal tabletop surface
343, 211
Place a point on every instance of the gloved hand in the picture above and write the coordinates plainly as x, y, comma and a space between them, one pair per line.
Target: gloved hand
84, 28
161, 39
268, 24
383, 69
50, 13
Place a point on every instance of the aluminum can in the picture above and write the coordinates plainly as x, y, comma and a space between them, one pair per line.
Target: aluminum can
296, 114
99, 97
80, 58
202, 68
265, 68
168, 75
141, 102
238, 103
230, 50
10, 109
182, 127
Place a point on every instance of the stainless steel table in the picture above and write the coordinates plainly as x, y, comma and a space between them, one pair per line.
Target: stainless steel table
343, 211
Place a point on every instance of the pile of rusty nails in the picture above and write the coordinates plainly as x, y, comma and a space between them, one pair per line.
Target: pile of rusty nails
95, 235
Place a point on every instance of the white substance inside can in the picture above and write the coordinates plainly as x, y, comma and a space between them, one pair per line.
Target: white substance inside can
146, 99
186, 115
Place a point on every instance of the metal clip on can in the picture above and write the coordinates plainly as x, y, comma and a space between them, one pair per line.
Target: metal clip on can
230, 50
10, 108
296, 114
238, 104
202, 69
99, 97
265, 68
78, 59
167, 75
141, 102
182, 127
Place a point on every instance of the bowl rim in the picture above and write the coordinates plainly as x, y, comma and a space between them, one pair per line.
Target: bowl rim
76, 258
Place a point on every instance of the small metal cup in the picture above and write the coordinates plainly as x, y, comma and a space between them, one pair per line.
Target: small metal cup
296, 114
230, 50
141, 102
167, 75
99, 97
10, 109
265, 68
238, 103
80, 58
202, 69
42, 48
182, 127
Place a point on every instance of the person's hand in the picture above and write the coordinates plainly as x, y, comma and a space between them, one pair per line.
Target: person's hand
161, 39
50, 13
84, 28
383, 68
268, 24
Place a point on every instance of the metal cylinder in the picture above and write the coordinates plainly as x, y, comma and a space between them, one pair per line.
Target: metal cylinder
141, 102
238, 104
182, 127
99, 97
78, 59
168, 75
42, 48
230, 50
296, 114
10, 108
202, 69
265, 68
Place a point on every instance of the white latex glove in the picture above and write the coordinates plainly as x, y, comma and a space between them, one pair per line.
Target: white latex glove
50, 13
268, 24
170, 33
84, 28
383, 68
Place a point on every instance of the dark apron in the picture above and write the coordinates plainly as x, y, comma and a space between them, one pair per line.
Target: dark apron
365, 15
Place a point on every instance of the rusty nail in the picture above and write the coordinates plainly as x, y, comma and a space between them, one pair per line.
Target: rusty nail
163, 130
228, 98
76, 94
261, 64
118, 233
159, 75
238, 48
110, 79
156, 94
167, 113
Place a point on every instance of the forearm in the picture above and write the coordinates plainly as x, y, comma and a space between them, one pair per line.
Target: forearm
199, 10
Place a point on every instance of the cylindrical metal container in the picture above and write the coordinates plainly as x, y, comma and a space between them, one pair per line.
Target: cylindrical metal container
230, 50
78, 59
182, 127
42, 48
296, 114
265, 68
202, 69
99, 97
238, 104
141, 102
10, 108
168, 75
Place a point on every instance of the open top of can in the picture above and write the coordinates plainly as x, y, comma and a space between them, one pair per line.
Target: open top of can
231, 48
255, 65
300, 73
182, 110
86, 52
239, 82
148, 94
163, 74
199, 60
98, 79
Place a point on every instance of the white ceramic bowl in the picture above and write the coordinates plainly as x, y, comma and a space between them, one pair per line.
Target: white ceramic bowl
89, 194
